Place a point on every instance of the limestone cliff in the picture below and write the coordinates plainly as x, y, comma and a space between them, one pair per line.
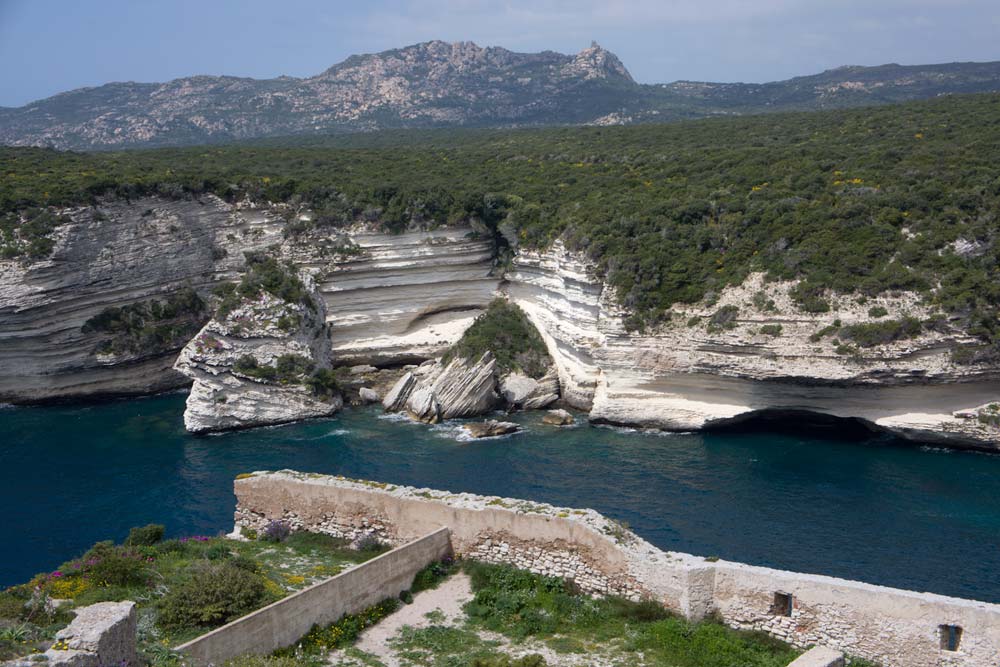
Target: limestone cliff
118, 254
259, 364
751, 352
395, 299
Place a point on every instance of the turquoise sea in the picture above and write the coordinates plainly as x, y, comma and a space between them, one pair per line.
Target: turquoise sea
870, 509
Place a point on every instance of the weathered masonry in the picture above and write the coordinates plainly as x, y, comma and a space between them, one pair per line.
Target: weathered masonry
894, 627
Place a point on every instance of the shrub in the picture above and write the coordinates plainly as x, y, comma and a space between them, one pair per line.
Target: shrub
881, 333
504, 330
432, 575
263, 273
723, 318
877, 311
147, 535
810, 297
533, 660
323, 383
216, 593
118, 567
276, 531
771, 329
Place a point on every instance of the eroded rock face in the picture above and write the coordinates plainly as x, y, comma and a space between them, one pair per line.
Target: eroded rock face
467, 389
687, 375
395, 399
119, 254
526, 393
405, 298
460, 389
231, 359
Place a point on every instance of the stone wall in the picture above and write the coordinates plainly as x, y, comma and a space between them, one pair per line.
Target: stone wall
894, 627
286, 621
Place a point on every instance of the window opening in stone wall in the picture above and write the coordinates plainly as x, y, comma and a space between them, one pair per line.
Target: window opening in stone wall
783, 604
951, 636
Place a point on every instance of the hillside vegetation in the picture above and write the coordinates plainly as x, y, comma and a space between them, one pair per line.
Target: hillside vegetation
867, 201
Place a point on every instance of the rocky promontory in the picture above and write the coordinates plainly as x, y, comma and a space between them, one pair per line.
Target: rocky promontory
264, 358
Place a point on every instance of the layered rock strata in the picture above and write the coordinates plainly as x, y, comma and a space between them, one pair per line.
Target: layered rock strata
404, 298
770, 358
250, 368
463, 388
115, 255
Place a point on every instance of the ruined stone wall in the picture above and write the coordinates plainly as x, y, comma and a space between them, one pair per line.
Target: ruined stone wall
894, 627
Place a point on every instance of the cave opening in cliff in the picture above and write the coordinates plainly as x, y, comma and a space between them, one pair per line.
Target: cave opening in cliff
803, 423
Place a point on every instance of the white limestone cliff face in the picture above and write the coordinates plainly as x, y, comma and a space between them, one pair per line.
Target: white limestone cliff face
562, 298
117, 254
683, 377
407, 297
225, 396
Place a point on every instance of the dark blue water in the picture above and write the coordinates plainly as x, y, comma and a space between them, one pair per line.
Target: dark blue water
875, 511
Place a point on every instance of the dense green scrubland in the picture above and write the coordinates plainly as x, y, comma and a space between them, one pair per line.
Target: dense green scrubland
866, 201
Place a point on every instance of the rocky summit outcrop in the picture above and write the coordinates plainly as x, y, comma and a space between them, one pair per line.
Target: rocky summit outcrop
436, 84
261, 363
753, 352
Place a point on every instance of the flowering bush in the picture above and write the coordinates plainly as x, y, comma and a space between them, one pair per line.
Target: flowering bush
276, 531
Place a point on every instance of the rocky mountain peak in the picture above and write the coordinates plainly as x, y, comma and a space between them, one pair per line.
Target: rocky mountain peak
596, 62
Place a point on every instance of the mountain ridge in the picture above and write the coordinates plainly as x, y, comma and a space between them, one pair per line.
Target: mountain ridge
445, 84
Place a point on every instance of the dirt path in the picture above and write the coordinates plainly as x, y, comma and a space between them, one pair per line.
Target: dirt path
447, 598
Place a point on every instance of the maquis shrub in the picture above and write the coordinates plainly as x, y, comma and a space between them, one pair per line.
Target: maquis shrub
217, 593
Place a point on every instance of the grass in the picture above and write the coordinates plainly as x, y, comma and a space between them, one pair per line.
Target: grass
523, 606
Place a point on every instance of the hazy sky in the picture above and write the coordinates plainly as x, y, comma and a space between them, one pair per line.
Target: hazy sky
48, 46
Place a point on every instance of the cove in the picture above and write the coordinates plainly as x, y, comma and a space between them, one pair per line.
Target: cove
869, 509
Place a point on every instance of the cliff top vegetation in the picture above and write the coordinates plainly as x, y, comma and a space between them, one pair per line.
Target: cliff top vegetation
868, 200
504, 330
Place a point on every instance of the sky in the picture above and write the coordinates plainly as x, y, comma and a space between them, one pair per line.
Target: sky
49, 46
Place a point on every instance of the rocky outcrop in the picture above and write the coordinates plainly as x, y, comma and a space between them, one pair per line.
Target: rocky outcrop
461, 389
118, 254
251, 367
490, 428
101, 634
558, 418
768, 358
526, 393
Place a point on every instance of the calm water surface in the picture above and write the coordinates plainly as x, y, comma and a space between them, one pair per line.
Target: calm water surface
870, 510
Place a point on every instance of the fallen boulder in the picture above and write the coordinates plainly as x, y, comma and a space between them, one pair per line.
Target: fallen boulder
490, 428
558, 418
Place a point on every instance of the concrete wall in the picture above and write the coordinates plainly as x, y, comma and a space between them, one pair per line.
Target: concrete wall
894, 627
286, 621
